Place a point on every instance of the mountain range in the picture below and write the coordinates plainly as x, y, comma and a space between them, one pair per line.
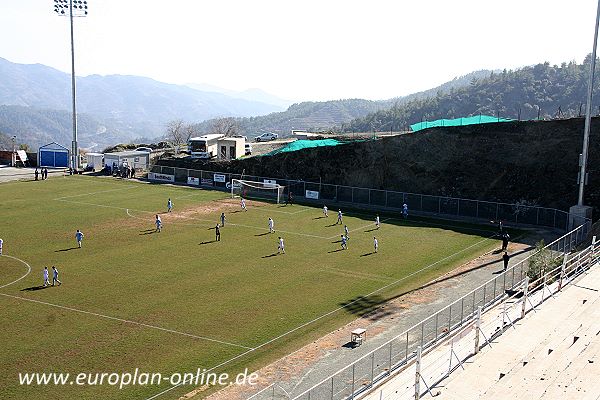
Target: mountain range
114, 106
35, 104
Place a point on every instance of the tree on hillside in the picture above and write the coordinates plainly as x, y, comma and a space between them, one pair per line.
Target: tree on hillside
225, 126
176, 132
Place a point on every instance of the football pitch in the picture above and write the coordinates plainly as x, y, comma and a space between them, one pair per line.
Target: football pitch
178, 301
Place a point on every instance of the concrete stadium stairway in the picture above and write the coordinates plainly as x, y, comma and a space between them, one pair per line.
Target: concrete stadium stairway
554, 353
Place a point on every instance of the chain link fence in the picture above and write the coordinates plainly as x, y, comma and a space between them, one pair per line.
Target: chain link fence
420, 204
401, 351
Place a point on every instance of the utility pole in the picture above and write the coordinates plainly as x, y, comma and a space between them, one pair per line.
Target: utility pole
579, 212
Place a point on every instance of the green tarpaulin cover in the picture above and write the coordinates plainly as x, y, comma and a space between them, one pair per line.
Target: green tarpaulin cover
477, 119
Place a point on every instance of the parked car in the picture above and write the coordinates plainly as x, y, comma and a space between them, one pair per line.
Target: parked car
248, 148
146, 149
266, 136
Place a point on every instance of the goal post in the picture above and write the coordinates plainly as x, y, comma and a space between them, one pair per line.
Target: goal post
256, 189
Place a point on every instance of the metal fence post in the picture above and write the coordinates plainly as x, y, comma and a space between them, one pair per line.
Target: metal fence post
484, 288
562, 272
449, 318
477, 329
406, 352
462, 309
352, 394
439, 205
332, 388
525, 294
418, 375
436, 326
390, 360
477, 209
372, 368
497, 206
537, 216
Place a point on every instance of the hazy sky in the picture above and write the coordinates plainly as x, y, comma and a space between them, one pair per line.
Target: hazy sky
300, 50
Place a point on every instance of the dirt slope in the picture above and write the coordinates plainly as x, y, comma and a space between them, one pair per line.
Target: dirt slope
511, 161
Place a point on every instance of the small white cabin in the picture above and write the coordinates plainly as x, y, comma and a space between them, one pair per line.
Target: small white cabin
231, 148
140, 160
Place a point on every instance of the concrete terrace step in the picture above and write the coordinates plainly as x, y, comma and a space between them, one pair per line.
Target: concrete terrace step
522, 354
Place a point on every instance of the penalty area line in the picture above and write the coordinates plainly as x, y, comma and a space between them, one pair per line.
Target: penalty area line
127, 321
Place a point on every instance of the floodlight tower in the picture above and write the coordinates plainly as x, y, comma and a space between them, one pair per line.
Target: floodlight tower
580, 211
72, 8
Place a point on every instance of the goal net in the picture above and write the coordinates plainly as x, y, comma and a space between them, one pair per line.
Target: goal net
255, 189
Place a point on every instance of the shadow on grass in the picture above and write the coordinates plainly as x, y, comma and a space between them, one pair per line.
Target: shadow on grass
70, 248
270, 255
363, 305
368, 307
208, 242
367, 254
372, 229
262, 234
33, 288
322, 216
334, 224
148, 232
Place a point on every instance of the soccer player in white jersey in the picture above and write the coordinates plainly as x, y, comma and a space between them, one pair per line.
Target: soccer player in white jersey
325, 211
1, 242
158, 223
169, 205
46, 281
377, 221
375, 244
344, 242
339, 221
281, 246
346, 231
79, 237
271, 225
243, 204
405, 210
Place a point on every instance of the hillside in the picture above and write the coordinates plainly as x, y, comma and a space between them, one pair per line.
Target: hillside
37, 127
322, 116
536, 162
141, 104
553, 91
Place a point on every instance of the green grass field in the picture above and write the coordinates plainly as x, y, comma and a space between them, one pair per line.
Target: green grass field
176, 301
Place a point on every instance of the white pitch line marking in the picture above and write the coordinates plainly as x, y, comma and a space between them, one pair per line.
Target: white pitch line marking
362, 227
326, 314
101, 191
18, 259
127, 321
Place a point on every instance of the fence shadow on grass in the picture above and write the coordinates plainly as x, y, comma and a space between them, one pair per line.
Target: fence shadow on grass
368, 307
363, 305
